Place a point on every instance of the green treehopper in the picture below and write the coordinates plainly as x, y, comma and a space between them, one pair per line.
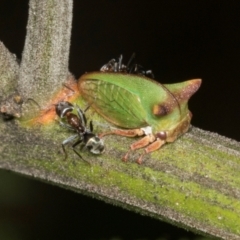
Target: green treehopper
141, 106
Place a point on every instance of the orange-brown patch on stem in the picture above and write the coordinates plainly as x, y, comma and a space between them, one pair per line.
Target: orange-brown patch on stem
69, 92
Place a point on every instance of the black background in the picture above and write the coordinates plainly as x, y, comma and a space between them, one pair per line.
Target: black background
178, 40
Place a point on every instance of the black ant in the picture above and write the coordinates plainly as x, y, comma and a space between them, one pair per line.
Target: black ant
114, 66
78, 123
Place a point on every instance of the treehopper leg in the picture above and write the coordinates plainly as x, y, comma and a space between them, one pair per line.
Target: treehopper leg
143, 142
151, 148
140, 144
132, 133
124, 132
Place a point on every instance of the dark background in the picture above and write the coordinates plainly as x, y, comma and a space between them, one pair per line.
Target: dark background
178, 40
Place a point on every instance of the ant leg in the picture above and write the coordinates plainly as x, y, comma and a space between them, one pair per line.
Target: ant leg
66, 86
73, 147
69, 88
88, 106
150, 73
66, 142
130, 60
119, 68
62, 124
115, 66
91, 126
81, 114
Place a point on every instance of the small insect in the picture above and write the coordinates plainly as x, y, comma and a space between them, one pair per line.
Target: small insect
140, 105
78, 124
114, 66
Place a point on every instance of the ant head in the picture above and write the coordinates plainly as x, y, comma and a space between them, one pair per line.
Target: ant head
62, 108
95, 144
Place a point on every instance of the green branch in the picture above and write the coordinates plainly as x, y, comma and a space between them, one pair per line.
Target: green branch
192, 183
44, 64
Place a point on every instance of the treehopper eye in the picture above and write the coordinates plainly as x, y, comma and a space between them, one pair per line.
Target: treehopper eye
141, 106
